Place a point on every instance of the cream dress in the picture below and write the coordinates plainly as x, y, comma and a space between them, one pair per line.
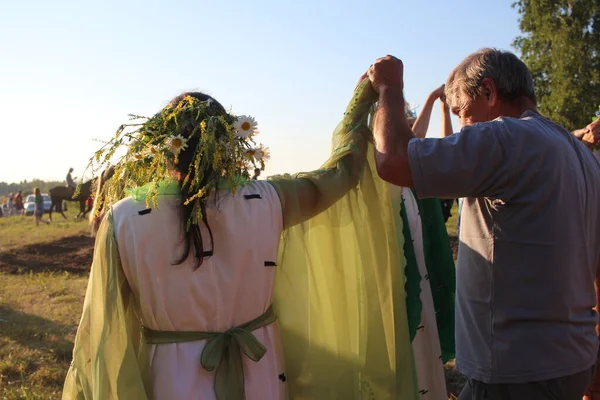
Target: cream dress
230, 288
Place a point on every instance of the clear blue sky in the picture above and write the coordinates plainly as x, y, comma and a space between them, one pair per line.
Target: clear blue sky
71, 71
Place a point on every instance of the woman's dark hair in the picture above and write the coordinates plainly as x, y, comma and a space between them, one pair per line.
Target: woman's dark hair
186, 157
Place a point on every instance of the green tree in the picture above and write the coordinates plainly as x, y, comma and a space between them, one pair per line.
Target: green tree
27, 186
561, 46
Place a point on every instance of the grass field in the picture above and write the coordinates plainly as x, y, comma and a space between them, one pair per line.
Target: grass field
39, 314
18, 231
40, 311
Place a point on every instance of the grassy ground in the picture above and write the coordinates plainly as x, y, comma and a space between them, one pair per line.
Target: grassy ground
18, 231
39, 312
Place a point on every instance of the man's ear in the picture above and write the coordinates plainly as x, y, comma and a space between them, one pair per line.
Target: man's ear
489, 91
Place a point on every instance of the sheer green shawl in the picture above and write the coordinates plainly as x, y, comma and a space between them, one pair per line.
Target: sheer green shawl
339, 291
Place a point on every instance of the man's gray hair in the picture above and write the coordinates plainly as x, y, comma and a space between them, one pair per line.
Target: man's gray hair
510, 75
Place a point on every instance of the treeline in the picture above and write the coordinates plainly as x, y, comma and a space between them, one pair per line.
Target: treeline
27, 186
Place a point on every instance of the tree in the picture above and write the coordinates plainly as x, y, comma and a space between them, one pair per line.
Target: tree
561, 46
27, 187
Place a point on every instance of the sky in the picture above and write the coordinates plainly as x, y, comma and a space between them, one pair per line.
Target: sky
71, 71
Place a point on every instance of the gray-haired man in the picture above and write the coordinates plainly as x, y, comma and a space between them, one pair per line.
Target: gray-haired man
530, 229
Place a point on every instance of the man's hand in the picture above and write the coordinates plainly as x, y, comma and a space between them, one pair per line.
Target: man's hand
387, 73
590, 135
438, 93
593, 134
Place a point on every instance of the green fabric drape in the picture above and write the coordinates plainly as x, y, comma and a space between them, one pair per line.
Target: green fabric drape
339, 291
109, 357
441, 270
441, 274
414, 307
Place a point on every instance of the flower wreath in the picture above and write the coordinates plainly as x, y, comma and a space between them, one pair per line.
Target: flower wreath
224, 156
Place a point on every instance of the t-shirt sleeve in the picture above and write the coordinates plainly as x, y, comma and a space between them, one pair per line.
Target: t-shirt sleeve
471, 163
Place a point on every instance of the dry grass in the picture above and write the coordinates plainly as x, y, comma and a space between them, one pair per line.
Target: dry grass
17, 231
39, 314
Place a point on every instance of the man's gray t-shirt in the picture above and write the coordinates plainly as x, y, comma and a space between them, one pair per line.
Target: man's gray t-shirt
529, 245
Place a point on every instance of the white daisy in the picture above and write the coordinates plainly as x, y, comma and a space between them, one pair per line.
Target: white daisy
177, 143
245, 126
260, 153
254, 153
266, 153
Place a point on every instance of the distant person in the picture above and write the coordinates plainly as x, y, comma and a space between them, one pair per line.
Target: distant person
38, 211
70, 180
18, 202
11, 203
256, 174
421, 124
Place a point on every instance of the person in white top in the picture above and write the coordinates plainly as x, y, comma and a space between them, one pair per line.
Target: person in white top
195, 259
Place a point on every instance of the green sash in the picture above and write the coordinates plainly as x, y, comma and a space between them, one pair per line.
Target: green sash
223, 351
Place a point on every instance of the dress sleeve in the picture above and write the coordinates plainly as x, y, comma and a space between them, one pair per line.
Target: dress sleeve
107, 353
307, 194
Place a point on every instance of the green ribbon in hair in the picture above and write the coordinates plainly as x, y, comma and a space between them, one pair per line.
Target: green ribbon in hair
223, 351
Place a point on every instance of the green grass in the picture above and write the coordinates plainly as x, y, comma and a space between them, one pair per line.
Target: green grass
39, 314
17, 231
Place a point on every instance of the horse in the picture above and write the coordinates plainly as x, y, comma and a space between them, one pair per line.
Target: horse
59, 194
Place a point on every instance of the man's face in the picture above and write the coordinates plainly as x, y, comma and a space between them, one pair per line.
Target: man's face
472, 111
485, 107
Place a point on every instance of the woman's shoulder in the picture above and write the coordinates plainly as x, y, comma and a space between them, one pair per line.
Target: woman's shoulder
260, 194
125, 207
257, 187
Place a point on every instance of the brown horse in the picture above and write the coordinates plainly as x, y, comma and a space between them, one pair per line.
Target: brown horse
59, 194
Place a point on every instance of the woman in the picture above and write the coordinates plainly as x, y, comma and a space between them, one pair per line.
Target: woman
192, 255
38, 210
430, 275
421, 124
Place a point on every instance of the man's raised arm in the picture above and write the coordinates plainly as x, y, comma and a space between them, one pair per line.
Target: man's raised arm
390, 129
